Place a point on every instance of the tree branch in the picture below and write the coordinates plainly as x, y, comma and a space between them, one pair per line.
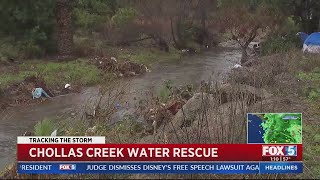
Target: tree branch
234, 37
252, 35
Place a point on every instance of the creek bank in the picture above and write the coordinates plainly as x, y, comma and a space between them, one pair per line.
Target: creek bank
19, 94
218, 112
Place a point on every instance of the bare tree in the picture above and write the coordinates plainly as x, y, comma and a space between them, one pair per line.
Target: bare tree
162, 19
244, 25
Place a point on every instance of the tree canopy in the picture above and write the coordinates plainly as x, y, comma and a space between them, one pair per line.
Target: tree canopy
33, 25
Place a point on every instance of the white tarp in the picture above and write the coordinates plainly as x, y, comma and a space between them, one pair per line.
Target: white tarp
311, 48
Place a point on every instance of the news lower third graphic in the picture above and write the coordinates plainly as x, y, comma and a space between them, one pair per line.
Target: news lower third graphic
274, 128
162, 167
64, 155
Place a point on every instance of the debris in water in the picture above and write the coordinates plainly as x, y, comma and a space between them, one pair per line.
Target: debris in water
54, 133
237, 66
67, 86
114, 59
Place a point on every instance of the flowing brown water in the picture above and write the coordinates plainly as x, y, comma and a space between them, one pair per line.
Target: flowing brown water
189, 70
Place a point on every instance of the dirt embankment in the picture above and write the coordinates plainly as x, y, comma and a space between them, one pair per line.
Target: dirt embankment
265, 80
20, 93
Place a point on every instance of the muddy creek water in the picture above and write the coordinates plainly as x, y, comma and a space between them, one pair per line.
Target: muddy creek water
189, 70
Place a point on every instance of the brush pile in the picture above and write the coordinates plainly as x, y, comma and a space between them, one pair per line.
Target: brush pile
120, 69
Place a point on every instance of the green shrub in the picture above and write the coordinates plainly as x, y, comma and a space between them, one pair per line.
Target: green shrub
165, 92
312, 91
314, 94
282, 40
278, 44
7, 49
55, 74
31, 50
314, 75
88, 15
44, 128
9, 79
68, 72
30, 24
123, 16
149, 56
28, 48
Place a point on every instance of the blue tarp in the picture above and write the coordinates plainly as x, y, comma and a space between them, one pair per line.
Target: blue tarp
313, 39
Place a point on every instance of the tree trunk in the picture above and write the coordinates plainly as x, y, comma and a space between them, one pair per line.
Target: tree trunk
204, 34
177, 46
244, 57
64, 30
163, 45
203, 15
172, 33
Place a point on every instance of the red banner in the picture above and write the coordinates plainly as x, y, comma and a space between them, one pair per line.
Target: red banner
159, 152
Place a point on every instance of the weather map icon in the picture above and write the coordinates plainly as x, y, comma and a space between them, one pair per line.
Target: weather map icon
274, 128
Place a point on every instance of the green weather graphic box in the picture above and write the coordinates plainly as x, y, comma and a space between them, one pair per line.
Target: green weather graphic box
274, 128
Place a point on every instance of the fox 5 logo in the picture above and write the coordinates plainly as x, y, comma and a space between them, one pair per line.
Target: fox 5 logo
288, 150
67, 167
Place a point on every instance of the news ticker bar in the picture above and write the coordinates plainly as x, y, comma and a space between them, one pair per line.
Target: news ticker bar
160, 168
159, 152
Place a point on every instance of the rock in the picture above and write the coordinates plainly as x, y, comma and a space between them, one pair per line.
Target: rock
229, 92
186, 115
203, 106
186, 95
212, 125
